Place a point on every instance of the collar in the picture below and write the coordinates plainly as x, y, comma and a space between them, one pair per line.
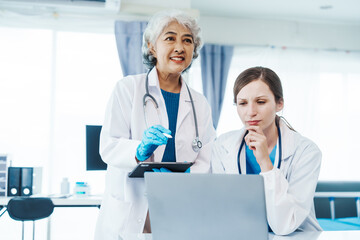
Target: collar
153, 78
288, 140
154, 83
185, 106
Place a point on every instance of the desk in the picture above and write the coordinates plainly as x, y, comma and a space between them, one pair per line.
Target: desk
334, 235
328, 235
96, 202
90, 201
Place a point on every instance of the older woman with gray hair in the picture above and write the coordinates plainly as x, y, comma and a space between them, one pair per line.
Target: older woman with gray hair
153, 117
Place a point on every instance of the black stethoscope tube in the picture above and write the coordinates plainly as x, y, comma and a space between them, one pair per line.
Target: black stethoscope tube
196, 144
242, 145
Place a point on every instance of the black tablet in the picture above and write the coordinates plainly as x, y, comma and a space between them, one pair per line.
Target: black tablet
141, 168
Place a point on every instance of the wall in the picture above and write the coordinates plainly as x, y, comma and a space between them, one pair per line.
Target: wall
237, 31
281, 33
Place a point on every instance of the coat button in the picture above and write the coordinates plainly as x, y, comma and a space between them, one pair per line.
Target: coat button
139, 220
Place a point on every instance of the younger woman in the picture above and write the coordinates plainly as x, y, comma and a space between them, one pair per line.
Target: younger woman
269, 146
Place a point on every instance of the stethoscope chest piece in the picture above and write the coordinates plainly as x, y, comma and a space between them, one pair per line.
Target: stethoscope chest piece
196, 144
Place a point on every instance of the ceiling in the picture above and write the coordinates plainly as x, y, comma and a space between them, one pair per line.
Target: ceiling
342, 11
328, 11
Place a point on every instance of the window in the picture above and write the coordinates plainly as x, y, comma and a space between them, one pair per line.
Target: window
320, 92
52, 84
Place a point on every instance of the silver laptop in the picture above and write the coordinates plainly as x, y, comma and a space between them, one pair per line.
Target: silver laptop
206, 206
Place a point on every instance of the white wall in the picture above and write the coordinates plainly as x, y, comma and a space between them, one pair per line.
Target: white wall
222, 30
237, 31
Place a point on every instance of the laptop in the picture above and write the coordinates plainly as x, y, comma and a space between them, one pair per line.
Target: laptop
206, 206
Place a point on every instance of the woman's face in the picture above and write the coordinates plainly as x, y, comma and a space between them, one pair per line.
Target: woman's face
256, 105
173, 49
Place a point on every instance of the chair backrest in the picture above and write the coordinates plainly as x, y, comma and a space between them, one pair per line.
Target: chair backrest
344, 207
29, 208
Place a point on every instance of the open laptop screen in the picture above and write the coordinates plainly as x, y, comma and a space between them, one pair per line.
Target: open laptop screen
206, 206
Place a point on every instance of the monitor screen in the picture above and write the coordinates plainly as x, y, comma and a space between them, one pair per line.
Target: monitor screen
93, 159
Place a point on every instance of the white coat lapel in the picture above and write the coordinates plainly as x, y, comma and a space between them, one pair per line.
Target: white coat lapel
230, 160
154, 89
185, 106
161, 116
287, 141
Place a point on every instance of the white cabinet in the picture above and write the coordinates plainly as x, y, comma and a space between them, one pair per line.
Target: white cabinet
3, 175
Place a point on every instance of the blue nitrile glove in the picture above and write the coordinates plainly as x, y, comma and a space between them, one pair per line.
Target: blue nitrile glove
161, 170
167, 170
152, 138
187, 170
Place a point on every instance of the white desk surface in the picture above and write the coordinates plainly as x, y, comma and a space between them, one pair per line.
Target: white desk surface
329, 235
325, 235
88, 201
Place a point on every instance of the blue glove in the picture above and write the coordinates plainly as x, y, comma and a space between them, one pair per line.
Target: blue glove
161, 170
152, 138
187, 170
167, 170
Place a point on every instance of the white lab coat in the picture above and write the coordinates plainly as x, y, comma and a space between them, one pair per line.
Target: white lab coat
124, 206
289, 191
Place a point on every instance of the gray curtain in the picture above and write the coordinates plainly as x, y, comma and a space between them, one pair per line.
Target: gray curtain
215, 64
129, 42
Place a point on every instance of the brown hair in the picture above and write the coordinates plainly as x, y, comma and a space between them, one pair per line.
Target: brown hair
266, 75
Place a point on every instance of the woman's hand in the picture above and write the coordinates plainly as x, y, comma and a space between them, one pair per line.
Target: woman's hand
257, 142
152, 138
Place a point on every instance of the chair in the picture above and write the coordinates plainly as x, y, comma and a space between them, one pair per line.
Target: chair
29, 208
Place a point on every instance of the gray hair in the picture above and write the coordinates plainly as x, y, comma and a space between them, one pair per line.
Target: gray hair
157, 24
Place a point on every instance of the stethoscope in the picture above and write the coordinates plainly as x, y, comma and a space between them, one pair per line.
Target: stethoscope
243, 142
196, 143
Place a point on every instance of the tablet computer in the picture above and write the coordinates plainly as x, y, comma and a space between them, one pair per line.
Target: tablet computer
143, 167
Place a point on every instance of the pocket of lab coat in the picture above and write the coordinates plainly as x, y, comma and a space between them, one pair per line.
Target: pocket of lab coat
115, 216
